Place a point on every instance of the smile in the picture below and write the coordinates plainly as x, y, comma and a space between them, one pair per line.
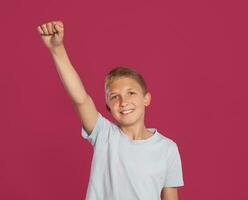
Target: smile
126, 112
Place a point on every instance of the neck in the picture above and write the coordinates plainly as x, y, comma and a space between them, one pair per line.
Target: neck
136, 132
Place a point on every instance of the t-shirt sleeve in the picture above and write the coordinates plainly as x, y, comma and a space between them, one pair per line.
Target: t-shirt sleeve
101, 131
174, 174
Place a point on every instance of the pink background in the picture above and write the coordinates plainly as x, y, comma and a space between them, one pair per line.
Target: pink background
193, 55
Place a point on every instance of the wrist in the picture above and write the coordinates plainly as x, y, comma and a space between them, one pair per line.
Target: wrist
57, 49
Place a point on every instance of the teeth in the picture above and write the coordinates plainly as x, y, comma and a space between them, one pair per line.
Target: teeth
126, 112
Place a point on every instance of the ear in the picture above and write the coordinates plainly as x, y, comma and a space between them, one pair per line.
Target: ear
147, 99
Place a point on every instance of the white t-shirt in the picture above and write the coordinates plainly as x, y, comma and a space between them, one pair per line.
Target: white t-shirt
126, 169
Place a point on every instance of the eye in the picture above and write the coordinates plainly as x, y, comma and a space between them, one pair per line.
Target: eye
131, 93
113, 97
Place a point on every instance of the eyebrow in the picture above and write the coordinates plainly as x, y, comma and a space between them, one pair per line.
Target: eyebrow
115, 92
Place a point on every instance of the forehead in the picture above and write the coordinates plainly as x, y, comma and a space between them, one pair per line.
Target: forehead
123, 83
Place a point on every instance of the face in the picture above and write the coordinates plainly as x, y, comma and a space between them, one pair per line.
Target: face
126, 101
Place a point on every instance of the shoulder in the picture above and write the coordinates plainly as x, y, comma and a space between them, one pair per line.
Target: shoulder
168, 145
103, 130
167, 141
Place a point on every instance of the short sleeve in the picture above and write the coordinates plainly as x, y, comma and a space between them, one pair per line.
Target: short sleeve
174, 173
100, 132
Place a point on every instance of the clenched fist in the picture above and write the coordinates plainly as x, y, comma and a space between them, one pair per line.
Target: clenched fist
52, 33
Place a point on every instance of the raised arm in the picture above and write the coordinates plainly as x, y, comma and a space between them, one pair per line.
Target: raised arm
52, 34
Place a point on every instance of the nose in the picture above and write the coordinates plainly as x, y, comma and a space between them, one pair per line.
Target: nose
123, 102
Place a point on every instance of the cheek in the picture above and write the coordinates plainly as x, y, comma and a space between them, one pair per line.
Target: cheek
114, 105
138, 101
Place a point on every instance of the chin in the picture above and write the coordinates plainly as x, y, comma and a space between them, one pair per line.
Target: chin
128, 122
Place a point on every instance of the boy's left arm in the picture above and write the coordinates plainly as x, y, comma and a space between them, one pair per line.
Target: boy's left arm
169, 193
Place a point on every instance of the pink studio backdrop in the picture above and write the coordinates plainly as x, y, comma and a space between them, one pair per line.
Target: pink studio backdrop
193, 55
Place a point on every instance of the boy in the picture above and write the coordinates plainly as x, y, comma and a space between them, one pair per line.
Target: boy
130, 161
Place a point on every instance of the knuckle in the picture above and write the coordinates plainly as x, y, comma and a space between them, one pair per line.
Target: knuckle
60, 22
